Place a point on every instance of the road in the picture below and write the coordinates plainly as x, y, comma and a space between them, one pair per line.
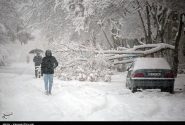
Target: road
22, 98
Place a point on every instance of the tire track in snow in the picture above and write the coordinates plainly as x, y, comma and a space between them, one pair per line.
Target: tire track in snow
74, 100
49, 100
99, 107
24, 75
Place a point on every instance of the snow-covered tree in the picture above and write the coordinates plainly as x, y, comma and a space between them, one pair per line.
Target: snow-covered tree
11, 28
79, 31
178, 6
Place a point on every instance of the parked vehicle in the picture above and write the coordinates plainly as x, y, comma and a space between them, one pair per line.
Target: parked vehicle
150, 73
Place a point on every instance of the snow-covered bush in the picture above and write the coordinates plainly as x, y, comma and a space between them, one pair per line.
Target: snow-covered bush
107, 78
81, 77
97, 68
80, 74
2, 60
83, 68
93, 77
79, 60
3, 55
65, 77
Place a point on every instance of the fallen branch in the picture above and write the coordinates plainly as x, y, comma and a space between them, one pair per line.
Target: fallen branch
122, 56
124, 62
153, 48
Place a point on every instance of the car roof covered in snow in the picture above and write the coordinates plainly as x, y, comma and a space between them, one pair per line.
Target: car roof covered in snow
151, 63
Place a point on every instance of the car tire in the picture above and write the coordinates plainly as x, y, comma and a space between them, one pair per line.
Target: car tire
163, 89
134, 89
127, 84
170, 90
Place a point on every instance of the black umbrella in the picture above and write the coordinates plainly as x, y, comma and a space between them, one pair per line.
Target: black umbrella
36, 51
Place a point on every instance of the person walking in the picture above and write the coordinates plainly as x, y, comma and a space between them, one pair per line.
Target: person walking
49, 63
37, 60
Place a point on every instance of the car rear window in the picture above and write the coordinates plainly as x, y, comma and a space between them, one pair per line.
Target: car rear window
151, 63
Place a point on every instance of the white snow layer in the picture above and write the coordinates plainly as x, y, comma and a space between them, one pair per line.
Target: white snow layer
22, 96
151, 63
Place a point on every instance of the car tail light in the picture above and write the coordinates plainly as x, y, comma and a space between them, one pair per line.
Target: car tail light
138, 75
169, 75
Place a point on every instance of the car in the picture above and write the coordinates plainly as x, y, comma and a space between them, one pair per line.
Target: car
150, 73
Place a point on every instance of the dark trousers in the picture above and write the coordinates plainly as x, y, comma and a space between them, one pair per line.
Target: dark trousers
37, 70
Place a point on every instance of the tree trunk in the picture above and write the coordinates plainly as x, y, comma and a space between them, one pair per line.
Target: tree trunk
176, 51
93, 38
111, 46
143, 24
149, 25
162, 36
144, 29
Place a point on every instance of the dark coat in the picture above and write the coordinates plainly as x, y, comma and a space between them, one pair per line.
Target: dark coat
49, 63
37, 60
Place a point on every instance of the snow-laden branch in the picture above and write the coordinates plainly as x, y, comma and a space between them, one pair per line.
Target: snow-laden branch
121, 52
73, 62
140, 50
124, 61
152, 48
159, 46
136, 52
121, 56
126, 55
57, 3
141, 42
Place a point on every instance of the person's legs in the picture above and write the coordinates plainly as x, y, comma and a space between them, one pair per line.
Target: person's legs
50, 82
37, 69
46, 79
35, 72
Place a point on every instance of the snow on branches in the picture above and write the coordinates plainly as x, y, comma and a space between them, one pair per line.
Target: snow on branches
85, 63
141, 50
154, 48
151, 48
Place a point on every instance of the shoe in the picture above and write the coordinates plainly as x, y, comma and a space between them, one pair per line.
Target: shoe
49, 93
46, 92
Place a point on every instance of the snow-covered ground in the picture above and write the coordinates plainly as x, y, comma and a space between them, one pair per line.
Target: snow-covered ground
22, 96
